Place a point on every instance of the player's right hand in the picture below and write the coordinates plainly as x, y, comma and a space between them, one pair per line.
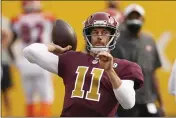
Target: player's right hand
56, 49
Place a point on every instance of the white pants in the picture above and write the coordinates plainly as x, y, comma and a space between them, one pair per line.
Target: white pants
36, 81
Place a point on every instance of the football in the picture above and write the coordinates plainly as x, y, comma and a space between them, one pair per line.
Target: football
63, 34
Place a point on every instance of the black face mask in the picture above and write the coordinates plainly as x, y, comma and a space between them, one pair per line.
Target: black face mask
134, 26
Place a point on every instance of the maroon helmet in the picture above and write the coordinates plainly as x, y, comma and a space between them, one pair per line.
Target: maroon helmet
105, 20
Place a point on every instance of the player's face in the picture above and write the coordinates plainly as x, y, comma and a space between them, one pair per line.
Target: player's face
135, 15
113, 4
100, 36
31, 6
134, 22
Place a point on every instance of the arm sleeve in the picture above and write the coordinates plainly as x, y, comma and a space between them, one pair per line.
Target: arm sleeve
38, 53
125, 94
172, 80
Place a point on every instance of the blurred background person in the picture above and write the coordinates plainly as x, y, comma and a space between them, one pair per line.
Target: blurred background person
33, 26
137, 46
6, 77
113, 8
172, 81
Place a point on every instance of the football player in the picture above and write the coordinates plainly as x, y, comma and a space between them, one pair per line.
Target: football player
34, 26
6, 78
172, 81
95, 82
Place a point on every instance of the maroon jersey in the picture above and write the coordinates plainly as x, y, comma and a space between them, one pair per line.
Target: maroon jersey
88, 90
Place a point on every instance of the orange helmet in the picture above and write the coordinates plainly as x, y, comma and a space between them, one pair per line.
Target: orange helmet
31, 5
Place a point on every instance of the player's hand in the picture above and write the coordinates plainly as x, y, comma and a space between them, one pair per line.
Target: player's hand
6, 38
56, 49
105, 60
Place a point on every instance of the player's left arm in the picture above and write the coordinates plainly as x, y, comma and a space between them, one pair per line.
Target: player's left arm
157, 64
123, 89
131, 79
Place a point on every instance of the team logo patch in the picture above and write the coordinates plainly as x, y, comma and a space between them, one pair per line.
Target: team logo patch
115, 65
95, 61
148, 48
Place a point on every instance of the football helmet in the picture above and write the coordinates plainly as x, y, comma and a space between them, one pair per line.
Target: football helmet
31, 5
105, 20
115, 4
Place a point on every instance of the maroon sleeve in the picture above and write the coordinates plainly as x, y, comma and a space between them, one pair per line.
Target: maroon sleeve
62, 64
133, 72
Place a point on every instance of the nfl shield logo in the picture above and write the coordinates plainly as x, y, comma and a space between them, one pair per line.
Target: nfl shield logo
115, 65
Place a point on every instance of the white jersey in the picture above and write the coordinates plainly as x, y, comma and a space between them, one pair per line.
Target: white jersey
172, 80
33, 28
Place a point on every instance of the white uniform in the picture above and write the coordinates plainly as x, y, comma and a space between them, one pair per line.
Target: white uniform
5, 58
32, 28
5, 25
172, 80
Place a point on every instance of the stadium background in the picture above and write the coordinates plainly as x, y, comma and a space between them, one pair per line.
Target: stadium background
160, 21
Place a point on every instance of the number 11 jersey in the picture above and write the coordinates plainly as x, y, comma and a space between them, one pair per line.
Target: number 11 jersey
88, 90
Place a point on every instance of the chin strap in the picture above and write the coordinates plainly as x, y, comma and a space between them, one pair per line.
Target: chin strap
97, 50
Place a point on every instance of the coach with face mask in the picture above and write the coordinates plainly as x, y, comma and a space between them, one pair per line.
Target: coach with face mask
137, 46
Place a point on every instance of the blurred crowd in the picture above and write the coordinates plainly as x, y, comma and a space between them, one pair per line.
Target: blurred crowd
35, 26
